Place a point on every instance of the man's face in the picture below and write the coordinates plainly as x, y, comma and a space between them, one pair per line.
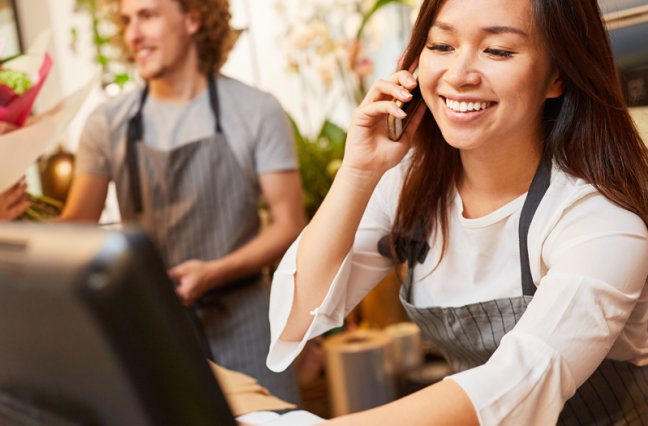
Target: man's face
157, 34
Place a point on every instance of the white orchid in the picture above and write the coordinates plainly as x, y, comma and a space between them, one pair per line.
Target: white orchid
325, 44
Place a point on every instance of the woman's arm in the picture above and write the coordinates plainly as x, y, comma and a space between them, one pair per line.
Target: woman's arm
595, 255
441, 404
329, 236
325, 243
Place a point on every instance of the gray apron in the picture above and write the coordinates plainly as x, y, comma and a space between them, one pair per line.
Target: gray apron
196, 202
467, 336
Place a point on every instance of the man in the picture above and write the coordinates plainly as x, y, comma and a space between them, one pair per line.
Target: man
191, 154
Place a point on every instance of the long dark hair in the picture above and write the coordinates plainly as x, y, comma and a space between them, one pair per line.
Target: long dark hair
588, 131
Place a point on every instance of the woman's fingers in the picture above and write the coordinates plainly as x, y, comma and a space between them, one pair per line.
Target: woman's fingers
367, 115
14, 201
14, 194
16, 210
6, 127
398, 86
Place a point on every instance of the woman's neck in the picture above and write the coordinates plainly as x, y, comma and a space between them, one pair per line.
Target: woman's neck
490, 181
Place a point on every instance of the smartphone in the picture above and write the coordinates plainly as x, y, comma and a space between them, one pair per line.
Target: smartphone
396, 126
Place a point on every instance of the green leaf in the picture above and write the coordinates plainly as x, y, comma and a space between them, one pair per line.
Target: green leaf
379, 4
333, 133
315, 160
299, 139
100, 40
122, 78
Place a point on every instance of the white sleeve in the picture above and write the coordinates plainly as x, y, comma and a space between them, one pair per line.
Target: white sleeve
359, 272
597, 268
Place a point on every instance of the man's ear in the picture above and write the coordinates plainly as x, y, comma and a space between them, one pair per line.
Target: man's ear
556, 85
193, 22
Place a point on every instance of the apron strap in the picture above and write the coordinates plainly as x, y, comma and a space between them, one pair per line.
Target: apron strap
537, 190
135, 133
213, 101
414, 250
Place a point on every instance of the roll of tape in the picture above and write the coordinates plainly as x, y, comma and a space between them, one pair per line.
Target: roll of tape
360, 370
408, 352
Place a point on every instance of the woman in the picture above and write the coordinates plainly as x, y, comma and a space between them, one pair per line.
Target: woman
520, 210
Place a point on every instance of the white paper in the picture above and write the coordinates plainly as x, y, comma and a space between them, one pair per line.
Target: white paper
31, 61
21, 147
292, 418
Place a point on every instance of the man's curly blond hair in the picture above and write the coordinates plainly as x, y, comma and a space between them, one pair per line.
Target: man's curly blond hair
214, 39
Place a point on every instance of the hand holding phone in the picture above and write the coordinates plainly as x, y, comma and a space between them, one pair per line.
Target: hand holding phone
396, 126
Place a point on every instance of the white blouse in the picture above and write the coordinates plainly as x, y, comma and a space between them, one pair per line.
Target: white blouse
588, 258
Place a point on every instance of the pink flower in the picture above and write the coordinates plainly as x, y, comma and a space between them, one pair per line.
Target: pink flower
15, 108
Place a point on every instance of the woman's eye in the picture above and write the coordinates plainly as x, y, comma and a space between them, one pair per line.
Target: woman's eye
500, 53
440, 47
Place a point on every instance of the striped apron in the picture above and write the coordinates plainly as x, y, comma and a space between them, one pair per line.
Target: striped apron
467, 336
197, 202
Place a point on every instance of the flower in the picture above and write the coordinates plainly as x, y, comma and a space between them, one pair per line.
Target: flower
325, 47
21, 79
20, 83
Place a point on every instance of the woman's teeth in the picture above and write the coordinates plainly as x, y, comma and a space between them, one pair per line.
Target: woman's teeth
466, 106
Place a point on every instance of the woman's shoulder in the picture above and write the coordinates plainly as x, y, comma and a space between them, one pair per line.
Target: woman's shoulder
573, 202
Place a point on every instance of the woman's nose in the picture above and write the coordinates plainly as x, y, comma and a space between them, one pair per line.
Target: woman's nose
462, 70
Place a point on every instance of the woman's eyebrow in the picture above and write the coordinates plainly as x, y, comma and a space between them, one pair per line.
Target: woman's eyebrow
504, 30
497, 29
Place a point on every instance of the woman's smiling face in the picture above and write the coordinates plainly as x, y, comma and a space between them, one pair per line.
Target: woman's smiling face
485, 74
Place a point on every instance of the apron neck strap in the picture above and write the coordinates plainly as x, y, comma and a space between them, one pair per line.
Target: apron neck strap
414, 250
213, 101
537, 190
135, 133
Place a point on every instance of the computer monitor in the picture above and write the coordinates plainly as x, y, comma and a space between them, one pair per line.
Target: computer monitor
91, 332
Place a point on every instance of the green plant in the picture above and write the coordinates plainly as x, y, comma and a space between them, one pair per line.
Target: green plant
319, 160
324, 47
113, 68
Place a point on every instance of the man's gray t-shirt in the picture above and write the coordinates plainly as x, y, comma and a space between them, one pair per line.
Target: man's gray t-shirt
254, 124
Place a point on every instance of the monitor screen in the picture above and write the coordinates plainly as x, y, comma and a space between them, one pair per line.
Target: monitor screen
92, 332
